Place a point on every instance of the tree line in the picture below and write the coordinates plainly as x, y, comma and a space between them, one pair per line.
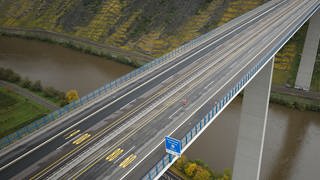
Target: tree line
9, 75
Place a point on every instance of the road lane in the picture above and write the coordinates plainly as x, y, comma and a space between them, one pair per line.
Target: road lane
104, 114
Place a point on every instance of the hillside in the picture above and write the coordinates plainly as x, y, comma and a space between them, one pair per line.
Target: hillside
147, 26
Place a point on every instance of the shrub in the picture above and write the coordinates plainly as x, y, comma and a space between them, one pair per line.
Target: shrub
72, 95
50, 92
25, 83
36, 86
9, 75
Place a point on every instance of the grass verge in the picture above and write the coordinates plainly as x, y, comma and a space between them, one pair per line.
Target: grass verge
17, 111
295, 102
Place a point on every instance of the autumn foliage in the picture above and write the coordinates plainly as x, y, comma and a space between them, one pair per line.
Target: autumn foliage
198, 170
72, 95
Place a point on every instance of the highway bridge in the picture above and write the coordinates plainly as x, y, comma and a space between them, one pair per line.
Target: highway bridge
120, 134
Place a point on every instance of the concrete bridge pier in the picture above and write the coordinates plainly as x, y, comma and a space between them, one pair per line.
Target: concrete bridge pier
252, 125
309, 55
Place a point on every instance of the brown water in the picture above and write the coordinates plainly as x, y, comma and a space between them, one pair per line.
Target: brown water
292, 145
291, 150
56, 66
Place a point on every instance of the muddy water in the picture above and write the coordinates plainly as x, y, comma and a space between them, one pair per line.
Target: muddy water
291, 150
292, 145
56, 66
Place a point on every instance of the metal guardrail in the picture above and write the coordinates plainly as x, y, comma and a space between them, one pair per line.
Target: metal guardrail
211, 115
5, 141
206, 120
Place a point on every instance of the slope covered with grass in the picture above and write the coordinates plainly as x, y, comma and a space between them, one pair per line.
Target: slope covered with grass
147, 26
17, 111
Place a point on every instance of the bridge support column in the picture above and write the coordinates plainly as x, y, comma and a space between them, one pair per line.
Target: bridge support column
309, 55
252, 126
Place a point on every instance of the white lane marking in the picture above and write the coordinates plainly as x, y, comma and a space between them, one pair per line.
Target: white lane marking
123, 155
123, 107
175, 158
62, 132
175, 112
209, 84
198, 134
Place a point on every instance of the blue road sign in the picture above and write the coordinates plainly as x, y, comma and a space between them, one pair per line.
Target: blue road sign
173, 146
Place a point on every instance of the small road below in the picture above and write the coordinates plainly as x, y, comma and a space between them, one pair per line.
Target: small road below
296, 92
25, 93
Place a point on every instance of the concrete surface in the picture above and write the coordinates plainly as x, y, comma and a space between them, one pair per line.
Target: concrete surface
252, 126
309, 55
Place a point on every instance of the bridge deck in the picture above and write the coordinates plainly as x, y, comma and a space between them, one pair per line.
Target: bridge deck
129, 126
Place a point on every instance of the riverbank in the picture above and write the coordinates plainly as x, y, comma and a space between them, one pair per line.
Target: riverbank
295, 99
134, 59
30, 95
280, 94
291, 147
295, 102
197, 169
34, 90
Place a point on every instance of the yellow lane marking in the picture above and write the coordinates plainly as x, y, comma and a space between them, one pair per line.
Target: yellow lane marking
114, 155
162, 109
128, 160
154, 114
81, 139
154, 96
73, 133
119, 120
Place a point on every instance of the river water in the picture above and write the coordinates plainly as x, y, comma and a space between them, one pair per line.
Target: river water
292, 144
56, 66
291, 149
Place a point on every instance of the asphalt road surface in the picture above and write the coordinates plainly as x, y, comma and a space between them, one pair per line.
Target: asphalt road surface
122, 135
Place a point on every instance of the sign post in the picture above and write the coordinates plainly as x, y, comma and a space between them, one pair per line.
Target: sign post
173, 146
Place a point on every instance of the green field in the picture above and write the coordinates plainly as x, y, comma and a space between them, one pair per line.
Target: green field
17, 111
295, 102
315, 84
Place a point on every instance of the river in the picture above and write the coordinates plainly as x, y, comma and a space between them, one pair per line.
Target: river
291, 149
57, 66
292, 143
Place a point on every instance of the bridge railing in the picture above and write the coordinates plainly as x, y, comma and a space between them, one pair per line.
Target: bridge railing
187, 140
120, 82
104, 90
203, 123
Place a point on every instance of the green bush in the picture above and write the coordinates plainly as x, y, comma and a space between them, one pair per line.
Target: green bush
37, 87
48, 92
9, 75
25, 83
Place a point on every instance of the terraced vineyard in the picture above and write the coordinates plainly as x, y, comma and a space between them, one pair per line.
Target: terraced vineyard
151, 27
103, 21
147, 26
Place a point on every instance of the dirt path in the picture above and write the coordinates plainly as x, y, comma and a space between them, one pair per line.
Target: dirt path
77, 41
25, 93
296, 92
